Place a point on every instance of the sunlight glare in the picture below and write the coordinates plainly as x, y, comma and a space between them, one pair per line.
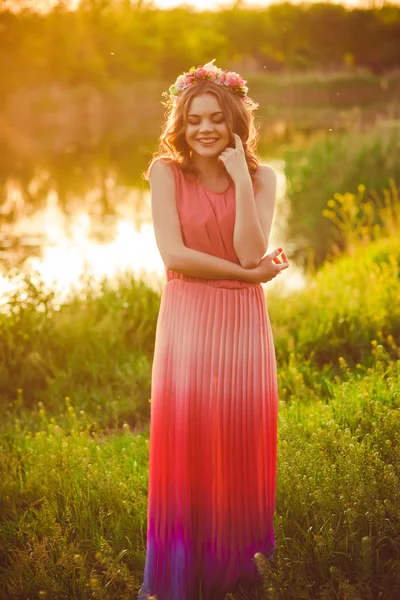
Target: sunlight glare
69, 254
67, 257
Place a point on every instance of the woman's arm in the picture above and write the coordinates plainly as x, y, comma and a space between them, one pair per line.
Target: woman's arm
199, 264
254, 214
248, 237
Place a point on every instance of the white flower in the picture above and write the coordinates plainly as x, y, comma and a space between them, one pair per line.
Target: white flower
210, 67
180, 82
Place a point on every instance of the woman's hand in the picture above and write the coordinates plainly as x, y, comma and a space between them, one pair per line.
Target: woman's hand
269, 267
234, 160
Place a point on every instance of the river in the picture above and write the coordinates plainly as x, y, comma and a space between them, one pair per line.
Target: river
80, 212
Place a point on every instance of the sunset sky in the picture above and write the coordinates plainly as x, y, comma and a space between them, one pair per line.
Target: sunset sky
215, 4
197, 4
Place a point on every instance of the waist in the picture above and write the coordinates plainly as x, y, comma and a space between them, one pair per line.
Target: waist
233, 284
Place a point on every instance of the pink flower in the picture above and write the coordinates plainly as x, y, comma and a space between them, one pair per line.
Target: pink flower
189, 78
233, 79
200, 73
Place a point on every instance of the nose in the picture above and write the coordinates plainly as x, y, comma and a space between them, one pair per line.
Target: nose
204, 127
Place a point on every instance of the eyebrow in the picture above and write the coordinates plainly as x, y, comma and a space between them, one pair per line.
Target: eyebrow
214, 113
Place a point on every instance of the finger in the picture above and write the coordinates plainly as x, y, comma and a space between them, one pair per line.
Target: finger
238, 141
284, 265
274, 253
285, 258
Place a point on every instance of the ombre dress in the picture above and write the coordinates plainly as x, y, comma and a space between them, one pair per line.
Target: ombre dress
213, 427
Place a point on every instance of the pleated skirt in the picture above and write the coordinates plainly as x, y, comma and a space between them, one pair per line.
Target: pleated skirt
213, 442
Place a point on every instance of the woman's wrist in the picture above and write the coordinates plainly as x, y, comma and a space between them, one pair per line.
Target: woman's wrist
251, 275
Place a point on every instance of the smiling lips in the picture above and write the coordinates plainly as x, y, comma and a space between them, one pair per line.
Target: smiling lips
207, 141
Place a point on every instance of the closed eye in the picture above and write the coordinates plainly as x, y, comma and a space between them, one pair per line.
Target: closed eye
197, 122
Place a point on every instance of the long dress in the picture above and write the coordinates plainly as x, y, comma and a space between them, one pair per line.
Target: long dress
213, 423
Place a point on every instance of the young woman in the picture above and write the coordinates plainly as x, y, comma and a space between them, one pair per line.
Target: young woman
214, 395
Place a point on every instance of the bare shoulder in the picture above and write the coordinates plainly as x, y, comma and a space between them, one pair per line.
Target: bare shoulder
265, 180
265, 173
161, 169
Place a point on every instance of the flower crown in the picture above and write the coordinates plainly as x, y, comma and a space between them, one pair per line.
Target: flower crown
211, 73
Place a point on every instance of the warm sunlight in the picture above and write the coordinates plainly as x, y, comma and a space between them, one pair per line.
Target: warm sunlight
43, 5
199, 362
217, 4
69, 242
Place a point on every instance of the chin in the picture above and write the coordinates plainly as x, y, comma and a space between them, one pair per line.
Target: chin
213, 150
206, 152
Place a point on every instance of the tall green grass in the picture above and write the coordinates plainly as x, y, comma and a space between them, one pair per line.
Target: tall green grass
74, 501
335, 164
96, 347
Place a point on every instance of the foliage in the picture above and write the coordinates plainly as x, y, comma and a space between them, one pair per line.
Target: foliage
106, 41
98, 344
362, 220
329, 171
74, 501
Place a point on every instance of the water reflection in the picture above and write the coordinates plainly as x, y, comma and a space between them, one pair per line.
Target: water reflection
98, 223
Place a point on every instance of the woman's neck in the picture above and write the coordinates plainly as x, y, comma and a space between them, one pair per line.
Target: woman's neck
210, 168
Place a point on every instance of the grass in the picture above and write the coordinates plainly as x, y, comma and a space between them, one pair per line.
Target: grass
333, 166
74, 501
75, 472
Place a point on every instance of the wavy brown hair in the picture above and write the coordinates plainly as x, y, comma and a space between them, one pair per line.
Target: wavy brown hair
172, 142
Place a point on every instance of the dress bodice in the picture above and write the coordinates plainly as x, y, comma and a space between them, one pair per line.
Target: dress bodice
207, 223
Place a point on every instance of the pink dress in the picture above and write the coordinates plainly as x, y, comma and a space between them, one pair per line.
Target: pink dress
213, 427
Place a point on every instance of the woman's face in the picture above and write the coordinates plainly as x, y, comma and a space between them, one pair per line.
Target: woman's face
206, 129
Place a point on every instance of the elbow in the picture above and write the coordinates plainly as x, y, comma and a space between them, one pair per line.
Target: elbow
249, 265
173, 259
170, 263
254, 263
